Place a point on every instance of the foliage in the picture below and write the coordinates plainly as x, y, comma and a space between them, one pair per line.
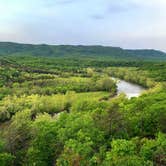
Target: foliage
63, 110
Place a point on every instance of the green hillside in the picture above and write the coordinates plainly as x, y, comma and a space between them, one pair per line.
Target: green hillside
8, 48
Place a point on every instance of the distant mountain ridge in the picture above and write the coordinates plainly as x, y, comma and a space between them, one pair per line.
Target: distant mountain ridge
9, 48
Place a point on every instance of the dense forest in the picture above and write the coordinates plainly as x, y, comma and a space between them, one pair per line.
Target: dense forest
105, 52
59, 106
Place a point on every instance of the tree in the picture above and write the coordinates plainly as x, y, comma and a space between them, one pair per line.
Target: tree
123, 153
18, 135
44, 147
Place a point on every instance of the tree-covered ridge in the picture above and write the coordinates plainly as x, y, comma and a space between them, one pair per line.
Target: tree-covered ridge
7, 48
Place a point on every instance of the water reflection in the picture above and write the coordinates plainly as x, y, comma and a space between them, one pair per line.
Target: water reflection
130, 89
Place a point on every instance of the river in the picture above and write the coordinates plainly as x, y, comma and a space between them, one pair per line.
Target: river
130, 89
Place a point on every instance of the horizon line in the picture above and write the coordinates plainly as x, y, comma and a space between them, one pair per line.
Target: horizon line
85, 45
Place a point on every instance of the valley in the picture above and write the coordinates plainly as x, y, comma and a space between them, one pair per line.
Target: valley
76, 105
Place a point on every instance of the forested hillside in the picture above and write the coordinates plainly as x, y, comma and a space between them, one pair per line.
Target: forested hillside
7, 48
59, 106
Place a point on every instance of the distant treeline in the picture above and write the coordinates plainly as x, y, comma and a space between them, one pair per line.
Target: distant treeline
7, 48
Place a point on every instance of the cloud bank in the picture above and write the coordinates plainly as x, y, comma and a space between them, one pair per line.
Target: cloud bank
127, 23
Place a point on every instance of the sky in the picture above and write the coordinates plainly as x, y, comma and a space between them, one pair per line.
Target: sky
124, 23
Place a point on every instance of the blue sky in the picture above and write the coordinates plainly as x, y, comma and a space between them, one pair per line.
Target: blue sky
124, 23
